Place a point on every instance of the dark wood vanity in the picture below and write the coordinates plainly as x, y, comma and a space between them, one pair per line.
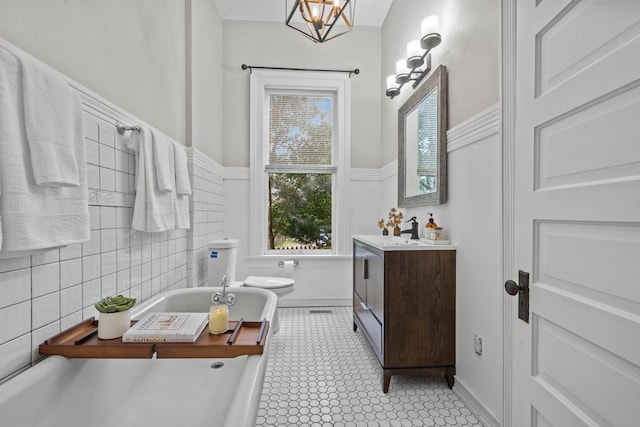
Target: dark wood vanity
404, 301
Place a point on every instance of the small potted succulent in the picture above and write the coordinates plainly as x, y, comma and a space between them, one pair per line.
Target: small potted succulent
114, 317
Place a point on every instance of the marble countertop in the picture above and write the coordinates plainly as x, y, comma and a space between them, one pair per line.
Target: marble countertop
394, 243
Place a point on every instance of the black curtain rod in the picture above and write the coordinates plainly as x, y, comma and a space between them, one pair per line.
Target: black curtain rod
251, 67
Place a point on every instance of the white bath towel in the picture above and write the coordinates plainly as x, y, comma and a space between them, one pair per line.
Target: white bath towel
33, 217
183, 186
153, 210
163, 162
53, 119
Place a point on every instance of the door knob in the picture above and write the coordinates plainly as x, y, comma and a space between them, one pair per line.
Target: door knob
522, 290
512, 287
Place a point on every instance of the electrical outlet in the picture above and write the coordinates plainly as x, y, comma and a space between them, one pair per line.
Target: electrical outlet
477, 345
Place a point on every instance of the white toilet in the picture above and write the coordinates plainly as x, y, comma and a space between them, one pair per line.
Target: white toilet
222, 262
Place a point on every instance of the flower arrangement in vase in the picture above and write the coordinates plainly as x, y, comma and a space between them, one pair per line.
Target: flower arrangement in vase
114, 317
395, 219
383, 227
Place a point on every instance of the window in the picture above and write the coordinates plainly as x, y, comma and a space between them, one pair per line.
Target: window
299, 163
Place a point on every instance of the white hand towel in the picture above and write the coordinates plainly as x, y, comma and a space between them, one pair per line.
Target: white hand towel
163, 162
139, 219
153, 210
34, 217
1, 63
182, 212
0, 214
52, 117
183, 186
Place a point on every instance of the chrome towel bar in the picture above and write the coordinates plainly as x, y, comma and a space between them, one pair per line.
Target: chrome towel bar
122, 128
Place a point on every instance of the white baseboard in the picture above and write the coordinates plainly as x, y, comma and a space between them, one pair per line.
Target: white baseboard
316, 302
473, 404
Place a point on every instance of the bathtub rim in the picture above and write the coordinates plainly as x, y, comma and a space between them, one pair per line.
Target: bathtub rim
268, 311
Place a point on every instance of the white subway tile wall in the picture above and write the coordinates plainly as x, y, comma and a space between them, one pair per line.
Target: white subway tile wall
45, 294
207, 213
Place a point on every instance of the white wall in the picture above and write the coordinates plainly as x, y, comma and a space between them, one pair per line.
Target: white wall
43, 294
161, 60
130, 52
133, 53
474, 219
470, 48
273, 44
204, 78
472, 215
318, 280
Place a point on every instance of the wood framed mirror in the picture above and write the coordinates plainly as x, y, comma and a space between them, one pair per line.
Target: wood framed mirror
422, 144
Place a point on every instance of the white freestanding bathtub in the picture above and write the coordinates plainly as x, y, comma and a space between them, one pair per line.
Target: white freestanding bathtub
66, 392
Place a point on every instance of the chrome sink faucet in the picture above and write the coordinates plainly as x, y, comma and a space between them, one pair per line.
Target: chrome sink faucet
229, 299
413, 230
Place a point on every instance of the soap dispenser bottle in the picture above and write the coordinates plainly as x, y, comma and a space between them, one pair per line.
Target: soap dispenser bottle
430, 227
431, 223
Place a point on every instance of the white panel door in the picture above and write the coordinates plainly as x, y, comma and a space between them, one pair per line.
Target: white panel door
577, 213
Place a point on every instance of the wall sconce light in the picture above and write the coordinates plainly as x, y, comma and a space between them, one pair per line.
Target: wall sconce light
418, 62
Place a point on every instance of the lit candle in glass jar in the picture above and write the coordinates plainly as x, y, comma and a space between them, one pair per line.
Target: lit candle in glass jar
218, 319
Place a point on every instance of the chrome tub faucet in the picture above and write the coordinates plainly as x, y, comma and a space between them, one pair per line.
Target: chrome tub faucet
223, 297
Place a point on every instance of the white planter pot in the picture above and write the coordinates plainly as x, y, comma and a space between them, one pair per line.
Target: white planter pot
113, 325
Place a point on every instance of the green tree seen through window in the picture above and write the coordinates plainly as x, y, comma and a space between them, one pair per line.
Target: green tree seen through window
300, 198
300, 207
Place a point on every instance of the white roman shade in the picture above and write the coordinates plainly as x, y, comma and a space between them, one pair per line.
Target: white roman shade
301, 133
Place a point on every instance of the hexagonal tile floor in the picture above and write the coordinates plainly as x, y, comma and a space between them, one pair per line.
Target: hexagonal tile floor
322, 373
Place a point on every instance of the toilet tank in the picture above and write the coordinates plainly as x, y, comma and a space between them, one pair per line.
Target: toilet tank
222, 261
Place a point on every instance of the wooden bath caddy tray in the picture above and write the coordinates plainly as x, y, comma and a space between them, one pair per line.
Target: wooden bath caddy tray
81, 341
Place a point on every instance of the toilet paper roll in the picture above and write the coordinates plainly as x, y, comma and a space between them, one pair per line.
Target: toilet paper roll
288, 268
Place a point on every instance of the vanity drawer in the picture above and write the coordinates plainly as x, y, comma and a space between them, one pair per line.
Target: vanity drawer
370, 325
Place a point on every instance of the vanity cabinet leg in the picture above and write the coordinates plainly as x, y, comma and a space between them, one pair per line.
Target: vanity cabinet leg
449, 375
355, 326
386, 380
